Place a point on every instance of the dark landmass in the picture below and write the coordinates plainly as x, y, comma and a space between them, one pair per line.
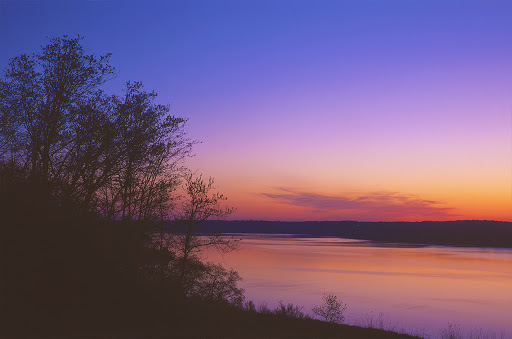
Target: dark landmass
481, 233
200, 320
69, 276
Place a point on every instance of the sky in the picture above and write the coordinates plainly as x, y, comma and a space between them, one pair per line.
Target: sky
396, 110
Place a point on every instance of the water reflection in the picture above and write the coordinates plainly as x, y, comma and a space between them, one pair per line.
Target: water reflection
416, 287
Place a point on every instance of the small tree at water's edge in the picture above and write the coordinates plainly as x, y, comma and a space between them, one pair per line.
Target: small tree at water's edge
331, 309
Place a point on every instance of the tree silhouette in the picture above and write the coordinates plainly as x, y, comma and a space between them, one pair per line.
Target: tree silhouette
118, 157
84, 178
331, 309
189, 236
38, 96
151, 145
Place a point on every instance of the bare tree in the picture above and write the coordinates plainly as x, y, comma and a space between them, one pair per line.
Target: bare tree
38, 95
119, 157
190, 235
332, 310
151, 145
215, 283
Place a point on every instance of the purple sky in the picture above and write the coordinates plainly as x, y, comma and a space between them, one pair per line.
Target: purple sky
331, 100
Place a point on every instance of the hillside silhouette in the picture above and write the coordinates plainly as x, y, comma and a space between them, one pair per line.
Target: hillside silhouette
69, 276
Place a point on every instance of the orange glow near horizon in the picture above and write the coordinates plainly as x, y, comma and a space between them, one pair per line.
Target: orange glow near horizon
455, 201
392, 179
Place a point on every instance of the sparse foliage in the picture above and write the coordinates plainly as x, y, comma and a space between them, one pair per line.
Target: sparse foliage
290, 310
115, 157
39, 95
215, 283
151, 144
264, 309
452, 332
250, 306
332, 310
189, 237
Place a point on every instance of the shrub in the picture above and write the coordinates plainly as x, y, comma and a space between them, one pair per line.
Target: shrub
331, 310
289, 310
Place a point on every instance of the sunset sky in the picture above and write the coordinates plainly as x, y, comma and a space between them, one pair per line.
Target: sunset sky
317, 110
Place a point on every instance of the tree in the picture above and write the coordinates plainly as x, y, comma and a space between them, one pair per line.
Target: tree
331, 309
181, 243
118, 157
80, 172
215, 283
190, 235
151, 145
38, 96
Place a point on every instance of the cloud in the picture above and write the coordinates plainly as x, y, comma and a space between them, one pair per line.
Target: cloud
385, 204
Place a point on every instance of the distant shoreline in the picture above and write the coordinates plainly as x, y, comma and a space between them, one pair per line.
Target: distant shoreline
463, 233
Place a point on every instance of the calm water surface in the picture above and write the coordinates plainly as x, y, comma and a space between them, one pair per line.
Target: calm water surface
417, 288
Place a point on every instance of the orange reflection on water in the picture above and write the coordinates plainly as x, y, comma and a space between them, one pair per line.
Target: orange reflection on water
415, 287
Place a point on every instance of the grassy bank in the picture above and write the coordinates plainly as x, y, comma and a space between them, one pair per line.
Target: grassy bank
199, 319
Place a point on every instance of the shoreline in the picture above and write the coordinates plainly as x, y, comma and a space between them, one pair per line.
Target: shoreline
471, 233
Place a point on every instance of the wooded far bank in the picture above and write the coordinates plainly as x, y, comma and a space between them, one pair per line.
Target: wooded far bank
482, 233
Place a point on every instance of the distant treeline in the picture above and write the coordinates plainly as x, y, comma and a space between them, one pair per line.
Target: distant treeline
484, 233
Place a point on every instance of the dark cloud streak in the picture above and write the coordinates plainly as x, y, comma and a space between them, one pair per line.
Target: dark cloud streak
391, 204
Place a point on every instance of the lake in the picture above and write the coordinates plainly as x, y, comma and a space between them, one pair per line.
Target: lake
418, 288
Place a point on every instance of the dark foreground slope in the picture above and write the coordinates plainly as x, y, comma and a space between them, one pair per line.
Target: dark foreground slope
63, 275
448, 233
216, 321
201, 320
